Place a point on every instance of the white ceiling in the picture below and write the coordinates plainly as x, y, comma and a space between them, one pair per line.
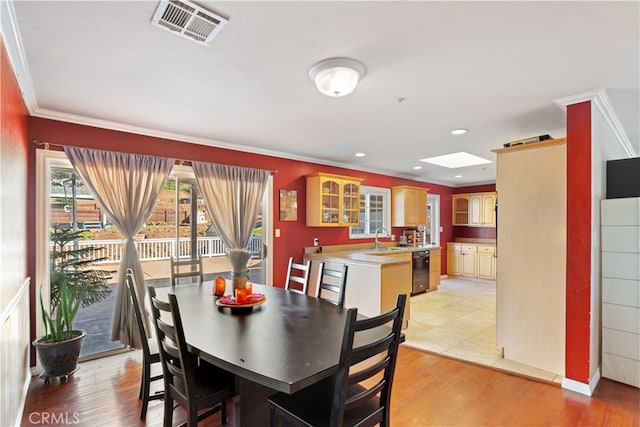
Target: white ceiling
494, 68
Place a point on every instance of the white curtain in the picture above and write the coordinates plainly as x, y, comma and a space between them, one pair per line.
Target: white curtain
233, 196
126, 186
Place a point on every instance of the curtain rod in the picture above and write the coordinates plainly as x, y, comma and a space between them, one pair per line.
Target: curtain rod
182, 162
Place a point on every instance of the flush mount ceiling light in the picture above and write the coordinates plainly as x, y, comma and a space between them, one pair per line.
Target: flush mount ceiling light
456, 160
337, 76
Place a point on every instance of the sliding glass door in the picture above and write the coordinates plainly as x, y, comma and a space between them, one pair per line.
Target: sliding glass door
179, 227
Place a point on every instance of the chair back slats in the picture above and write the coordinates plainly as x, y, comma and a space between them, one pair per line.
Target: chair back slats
200, 388
177, 362
297, 276
333, 283
186, 268
362, 385
371, 379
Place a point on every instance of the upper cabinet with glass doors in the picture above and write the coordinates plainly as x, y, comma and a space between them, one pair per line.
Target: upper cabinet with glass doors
333, 200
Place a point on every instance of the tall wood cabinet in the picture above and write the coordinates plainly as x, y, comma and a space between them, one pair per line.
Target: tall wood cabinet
531, 260
620, 231
408, 206
333, 200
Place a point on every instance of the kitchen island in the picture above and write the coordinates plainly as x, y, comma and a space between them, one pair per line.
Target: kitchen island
375, 277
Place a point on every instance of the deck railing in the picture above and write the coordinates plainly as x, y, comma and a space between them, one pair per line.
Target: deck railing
159, 249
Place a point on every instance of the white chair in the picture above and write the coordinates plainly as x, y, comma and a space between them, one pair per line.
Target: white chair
186, 268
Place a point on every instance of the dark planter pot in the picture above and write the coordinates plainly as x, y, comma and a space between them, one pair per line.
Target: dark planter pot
59, 359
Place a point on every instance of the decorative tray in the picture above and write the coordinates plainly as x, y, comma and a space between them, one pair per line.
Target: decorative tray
230, 301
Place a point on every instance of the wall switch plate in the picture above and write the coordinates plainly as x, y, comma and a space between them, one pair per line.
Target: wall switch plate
316, 242
277, 232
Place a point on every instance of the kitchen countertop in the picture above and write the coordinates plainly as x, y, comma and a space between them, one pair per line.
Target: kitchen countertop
369, 255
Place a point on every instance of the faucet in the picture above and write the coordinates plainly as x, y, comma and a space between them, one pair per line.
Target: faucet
378, 231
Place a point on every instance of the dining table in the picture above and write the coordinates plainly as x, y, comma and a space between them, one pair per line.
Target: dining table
285, 344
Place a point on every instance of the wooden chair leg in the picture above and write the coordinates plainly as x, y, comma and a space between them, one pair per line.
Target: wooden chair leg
193, 417
223, 413
168, 411
145, 388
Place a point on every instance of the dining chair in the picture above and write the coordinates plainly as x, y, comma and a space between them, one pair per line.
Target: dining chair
332, 282
297, 277
150, 353
184, 268
360, 392
194, 384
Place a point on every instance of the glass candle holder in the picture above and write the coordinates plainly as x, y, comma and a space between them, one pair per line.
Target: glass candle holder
248, 290
241, 296
219, 286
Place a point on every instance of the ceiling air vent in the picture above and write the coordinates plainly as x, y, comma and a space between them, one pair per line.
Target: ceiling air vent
188, 20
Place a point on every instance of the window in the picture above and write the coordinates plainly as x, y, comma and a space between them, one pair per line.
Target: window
432, 230
375, 212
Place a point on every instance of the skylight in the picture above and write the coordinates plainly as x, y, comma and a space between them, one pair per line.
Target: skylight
456, 160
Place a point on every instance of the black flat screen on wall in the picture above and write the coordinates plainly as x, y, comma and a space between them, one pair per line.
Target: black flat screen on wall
623, 178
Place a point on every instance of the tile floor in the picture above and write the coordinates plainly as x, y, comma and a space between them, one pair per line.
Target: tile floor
459, 321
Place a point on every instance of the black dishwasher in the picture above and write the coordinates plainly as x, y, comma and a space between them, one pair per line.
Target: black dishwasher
420, 272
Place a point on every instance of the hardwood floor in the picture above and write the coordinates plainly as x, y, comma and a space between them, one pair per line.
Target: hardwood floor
428, 390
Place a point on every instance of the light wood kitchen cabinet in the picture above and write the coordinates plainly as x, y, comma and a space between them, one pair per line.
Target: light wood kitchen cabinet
469, 260
482, 210
474, 209
454, 259
486, 262
408, 206
434, 269
333, 200
460, 209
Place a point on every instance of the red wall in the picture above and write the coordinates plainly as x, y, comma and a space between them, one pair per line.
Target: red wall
15, 227
578, 281
295, 235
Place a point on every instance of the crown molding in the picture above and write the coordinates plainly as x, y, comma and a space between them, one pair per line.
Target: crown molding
599, 98
122, 127
15, 51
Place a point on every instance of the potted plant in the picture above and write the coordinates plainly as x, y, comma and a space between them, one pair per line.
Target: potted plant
73, 285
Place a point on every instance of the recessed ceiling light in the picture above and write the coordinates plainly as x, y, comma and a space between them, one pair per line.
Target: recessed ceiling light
456, 160
417, 167
458, 131
458, 176
360, 154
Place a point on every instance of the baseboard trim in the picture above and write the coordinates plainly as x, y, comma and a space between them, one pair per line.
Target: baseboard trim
582, 388
23, 400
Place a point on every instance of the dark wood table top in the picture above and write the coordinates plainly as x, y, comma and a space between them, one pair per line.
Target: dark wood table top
287, 343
